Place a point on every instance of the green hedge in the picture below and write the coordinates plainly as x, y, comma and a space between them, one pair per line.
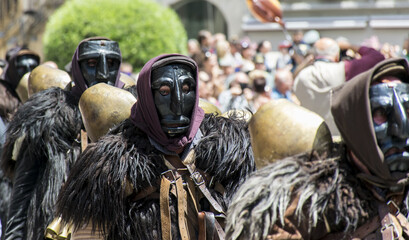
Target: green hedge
143, 29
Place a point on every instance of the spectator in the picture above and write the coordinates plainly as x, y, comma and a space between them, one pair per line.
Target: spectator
284, 60
193, 47
283, 84
237, 95
126, 68
270, 61
261, 90
223, 50
259, 65
247, 52
299, 49
313, 84
206, 40
235, 49
207, 88
227, 67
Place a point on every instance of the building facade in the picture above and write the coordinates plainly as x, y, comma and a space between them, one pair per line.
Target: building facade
356, 20
23, 21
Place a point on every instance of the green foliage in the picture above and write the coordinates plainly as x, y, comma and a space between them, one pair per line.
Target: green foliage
143, 29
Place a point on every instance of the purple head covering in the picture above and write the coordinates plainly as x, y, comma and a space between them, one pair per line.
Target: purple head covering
144, 114
78, 78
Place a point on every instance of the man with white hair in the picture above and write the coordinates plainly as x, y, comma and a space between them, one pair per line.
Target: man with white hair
313, 84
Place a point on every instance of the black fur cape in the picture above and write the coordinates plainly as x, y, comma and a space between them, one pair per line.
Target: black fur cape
9, 102
47, 126
95, 188
327, 187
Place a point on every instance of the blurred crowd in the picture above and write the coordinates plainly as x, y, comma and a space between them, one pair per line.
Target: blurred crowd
239, 73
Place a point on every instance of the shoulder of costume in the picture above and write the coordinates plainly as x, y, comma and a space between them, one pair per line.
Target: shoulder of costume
123, 159
50, 117
312, 188
224, 151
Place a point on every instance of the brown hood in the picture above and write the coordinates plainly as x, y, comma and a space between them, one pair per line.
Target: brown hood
351, 109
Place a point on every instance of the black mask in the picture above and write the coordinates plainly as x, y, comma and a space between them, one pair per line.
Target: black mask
99, 61
390, 108
174, 92
25, 64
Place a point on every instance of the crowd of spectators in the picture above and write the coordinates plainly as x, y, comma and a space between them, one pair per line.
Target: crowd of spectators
239, 73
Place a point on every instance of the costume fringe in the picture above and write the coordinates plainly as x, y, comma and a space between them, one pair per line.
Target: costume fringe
325, 187
48, 125
225, 151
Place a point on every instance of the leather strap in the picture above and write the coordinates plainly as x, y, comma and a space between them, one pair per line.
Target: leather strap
181, 196
390, 227
201, 216
404, 223
84, 140
360, 233
210, 223
199, 181
220, 231
164, 208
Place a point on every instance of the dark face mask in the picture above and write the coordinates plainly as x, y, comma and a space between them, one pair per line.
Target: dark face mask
25, 64
99, 61
174, 92
390, 108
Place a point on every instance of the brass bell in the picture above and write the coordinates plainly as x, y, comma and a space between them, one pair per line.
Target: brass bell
22, 88
102, 106
44, 77
281, 129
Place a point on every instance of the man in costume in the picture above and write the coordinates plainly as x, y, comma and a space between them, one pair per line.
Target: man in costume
167, 172
19, 62
361, 193
44, 139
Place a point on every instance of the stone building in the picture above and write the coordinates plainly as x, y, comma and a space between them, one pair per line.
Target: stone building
22, 22
356, 20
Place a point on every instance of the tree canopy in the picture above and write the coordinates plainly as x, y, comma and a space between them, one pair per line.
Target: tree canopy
143, 29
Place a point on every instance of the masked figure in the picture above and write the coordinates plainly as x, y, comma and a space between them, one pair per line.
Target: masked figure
359, 193
164, 172
44, 140
20, 61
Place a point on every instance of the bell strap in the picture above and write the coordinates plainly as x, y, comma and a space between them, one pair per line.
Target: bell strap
164, 208
202, 225
182, 208
390, 226
404, 223
199, 181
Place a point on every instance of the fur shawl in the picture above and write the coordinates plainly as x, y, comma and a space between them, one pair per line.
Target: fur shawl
321, 190
96, 186
42, 137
